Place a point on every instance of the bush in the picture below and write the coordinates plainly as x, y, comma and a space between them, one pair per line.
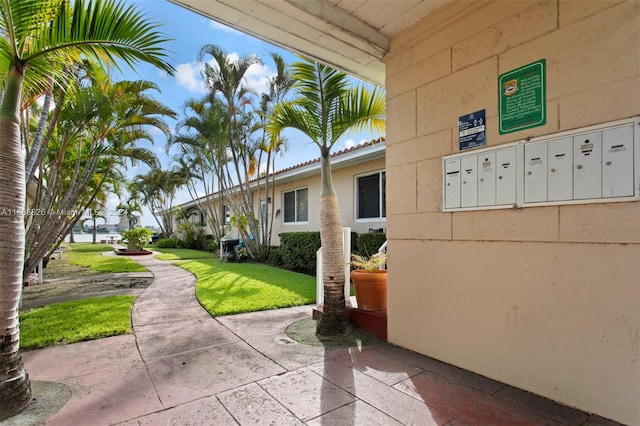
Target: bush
209, 243
275, 257
167, 243
368, 244
137, 237
298, 250
354, 242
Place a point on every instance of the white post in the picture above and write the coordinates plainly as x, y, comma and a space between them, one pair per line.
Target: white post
383, 250
346, 249
40, 272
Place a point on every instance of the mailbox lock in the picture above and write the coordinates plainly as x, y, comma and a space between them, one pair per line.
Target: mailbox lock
499, 177
529, 173
579, 166
553, 170
481, 179
608, 163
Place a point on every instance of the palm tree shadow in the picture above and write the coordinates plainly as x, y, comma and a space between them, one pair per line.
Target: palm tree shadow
364, 383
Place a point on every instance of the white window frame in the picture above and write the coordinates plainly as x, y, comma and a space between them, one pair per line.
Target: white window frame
356, 194
295, 191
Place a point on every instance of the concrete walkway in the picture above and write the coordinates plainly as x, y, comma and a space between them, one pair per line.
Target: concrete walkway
180, 366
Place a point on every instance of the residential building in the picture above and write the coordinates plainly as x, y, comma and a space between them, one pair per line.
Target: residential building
359, 178
535, 283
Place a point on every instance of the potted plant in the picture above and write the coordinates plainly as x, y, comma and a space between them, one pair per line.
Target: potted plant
370, 282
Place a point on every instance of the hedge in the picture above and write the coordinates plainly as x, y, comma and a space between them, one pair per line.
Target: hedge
298, 250
369, 243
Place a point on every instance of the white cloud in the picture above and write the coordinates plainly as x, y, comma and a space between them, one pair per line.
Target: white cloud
188, 76
257, 77
349, 143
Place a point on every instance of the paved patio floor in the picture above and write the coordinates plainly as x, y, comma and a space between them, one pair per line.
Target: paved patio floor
182, 367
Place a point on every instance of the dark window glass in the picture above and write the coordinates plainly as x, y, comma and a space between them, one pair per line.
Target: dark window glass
290, 206
369, 196
372, 196
296, 206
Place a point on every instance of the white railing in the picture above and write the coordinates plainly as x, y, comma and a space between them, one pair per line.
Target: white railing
234, 234
383, 250
346, 249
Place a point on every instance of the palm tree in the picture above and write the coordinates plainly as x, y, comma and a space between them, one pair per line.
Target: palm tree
157, 189
271, 144
226, 78
95, 133
38, 37
95, 213
201, 136
327, 106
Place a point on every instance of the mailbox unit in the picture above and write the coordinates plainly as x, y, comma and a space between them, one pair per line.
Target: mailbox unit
595, 164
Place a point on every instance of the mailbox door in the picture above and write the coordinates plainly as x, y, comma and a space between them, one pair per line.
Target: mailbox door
452, 183
506, 176
535, 172
617, 162
487, 179
560, 170
587, 168
469, 176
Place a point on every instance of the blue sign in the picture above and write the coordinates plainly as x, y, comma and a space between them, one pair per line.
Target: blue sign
472, 130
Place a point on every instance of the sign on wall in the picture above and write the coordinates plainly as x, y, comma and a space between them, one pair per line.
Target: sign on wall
522, 98
471, 128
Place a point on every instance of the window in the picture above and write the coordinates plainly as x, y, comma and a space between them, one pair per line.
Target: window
226, 213
371, 196
296, 206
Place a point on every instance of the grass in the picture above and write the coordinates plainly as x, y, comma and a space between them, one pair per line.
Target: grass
182, 253
75, 321
232, 288
90, 256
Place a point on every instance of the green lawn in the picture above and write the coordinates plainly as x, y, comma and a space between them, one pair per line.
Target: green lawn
182, 253
75, 321
90, 256
231, 288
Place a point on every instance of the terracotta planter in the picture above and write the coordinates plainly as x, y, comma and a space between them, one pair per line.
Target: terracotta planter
371, 289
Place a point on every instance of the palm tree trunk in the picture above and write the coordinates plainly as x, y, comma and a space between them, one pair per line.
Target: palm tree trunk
334, 313
15, 388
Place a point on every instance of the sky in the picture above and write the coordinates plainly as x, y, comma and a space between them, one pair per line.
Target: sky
189, 32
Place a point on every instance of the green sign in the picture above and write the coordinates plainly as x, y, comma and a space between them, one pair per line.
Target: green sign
522, 98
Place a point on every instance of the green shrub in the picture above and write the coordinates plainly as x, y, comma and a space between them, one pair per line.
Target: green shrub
209, 243
354, 242
137, 237
275, 257
298, 250
369, 243
167, 243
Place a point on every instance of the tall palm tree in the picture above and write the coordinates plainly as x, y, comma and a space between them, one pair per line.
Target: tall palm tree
271, 144
37, 38
201, 136
96, 131
157, 189
325, 107
226, 78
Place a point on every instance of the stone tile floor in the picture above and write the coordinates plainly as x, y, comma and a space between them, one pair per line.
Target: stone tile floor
182, 367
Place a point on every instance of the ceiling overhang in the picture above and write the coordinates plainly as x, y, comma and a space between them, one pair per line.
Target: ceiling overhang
352, 36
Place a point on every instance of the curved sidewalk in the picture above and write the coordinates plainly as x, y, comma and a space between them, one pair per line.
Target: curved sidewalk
181, 366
